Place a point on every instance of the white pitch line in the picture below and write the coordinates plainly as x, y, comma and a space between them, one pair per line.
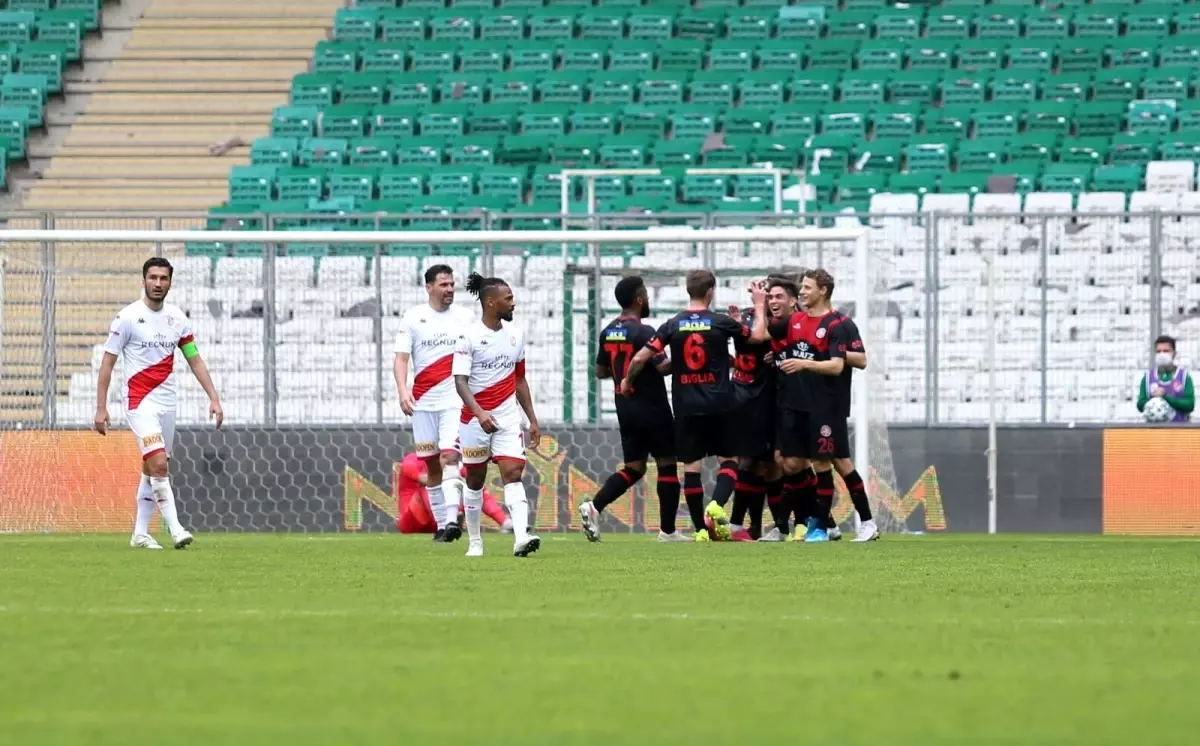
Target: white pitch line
700, 618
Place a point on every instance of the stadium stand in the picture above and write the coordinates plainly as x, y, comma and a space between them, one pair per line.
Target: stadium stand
193, 74
429, 108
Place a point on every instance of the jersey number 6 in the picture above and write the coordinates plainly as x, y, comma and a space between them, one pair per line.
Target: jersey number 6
694, 354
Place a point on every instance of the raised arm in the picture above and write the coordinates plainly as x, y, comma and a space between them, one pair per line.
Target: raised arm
759, 331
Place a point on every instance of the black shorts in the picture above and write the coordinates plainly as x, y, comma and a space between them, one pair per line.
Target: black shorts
700, 435
647, 433
755, 424
812, 435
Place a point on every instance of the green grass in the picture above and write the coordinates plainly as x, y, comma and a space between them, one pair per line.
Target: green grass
383, 639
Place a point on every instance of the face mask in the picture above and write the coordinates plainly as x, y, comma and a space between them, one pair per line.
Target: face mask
1163, 359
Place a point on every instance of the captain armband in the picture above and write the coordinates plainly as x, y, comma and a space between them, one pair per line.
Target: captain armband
189, 350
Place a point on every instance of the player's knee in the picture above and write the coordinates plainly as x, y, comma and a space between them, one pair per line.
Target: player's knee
156, 465
793, 465
449, 458
693, 467
511, 471
822, 466
633, 474
843, 465
435, 470
476, 474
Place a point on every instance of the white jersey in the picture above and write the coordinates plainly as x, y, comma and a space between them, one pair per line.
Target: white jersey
147, 339
429, 338
492, 360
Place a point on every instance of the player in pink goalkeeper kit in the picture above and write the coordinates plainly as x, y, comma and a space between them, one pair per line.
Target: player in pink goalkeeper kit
147, 333
428, 335
489, 373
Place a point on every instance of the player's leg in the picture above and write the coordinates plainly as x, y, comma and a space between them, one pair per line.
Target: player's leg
156, 430
451, 482
425, 443
822, 448
476, 453
780, 510
141, 538
493, 510
635, 447
662, 446
794, 463
689, 443
867, 530
722, 440
508, 452
747, 477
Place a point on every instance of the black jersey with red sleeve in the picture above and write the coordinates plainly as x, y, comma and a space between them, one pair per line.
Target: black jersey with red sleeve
806, 337
852, 342
752, 376
619, 342
699, 344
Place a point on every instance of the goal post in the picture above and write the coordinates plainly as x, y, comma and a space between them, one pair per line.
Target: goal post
735, 255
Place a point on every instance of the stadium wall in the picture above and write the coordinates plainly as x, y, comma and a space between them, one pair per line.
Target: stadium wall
1055, 480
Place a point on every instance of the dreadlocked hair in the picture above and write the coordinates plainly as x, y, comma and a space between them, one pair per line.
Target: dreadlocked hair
479, 286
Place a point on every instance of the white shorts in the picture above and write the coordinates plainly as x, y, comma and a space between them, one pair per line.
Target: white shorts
479, 447
154, 429
435, 432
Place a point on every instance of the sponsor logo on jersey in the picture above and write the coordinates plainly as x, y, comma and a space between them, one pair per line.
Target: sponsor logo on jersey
150, 440
694, 324
476, 453
441, 340
425, 447
616, 335
171, 321
826, 431
496, 364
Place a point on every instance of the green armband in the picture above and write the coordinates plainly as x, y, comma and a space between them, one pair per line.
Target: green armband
189, 350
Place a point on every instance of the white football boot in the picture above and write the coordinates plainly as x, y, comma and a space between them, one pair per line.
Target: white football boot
867, 531
674, 536
527, 546
144, 541
590, 518
182, 539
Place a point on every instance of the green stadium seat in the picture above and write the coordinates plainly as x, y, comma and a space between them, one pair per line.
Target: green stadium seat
402, 26
545, 119
1149, 22
477, 150
363, 88
355, 183
483, 58
17, 26
452, 26
948, 24
65, 27
858, 88
295, 121
384, 56
584, 56
372, 152
1095, 23
356, 24
749, 24
931, 54
860, 187
630, 56
1051, 116
895, 24
1128, 149
641, 120
1167, 83
981, 155
706, 187
1065, 177
678, 55
793, 121
576, 150
662, 90
1050, 25
662, 186
393, 121
602, 24
274, 151
844, 123
998, 23
813, 87
1081, 56
668, 153
953, 121
693, 124
442, 122
796, 26
1014, 89
1150, 117
962, 90
550, 25
760, 89
981, 55
86, 12
963, 183
252, 184
880, 55
929, 157
508, 90
650, 26
832, 54
593, 120
700, 23
501, 27
1037, 146
300, 183
995, 122
880, 156
1067, 87
913, 183
401, 184
711, 89
323, 151
730, 56
1180, 51
1188, 118
1088, 151
1034, 58
625, 151
916, 87
614, 88
451, 182
312, 89
335, 57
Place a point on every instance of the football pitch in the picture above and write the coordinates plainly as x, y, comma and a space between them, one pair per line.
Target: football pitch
386, 639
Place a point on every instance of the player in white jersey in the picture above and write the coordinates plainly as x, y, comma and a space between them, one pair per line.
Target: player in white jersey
428, 335
147, 333
489, 373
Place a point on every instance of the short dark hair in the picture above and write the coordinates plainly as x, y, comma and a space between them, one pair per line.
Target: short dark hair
788, 286
432, 273
628, 289
823, 279
157, 261
1165, 339
483, 287
699, 282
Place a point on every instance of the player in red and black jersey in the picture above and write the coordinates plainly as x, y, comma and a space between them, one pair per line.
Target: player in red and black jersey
644, 415
856, 358
809, 360
759, 479
703, 394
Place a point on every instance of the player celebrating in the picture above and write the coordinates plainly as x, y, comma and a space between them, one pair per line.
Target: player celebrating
702, 393
147, 333
427, 338
489, 373
810, 429
644, 416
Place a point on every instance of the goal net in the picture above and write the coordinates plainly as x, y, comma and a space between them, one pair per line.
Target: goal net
298, 329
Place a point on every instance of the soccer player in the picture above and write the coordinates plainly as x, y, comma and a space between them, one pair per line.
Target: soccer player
811, 433
705, 420
416, 515
147, 333
427, 338
856, 358
644, 416
489, 373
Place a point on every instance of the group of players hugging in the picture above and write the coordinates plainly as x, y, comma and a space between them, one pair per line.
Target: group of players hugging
774, 415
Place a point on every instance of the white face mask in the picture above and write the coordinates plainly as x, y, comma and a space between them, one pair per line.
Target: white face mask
1163, 359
